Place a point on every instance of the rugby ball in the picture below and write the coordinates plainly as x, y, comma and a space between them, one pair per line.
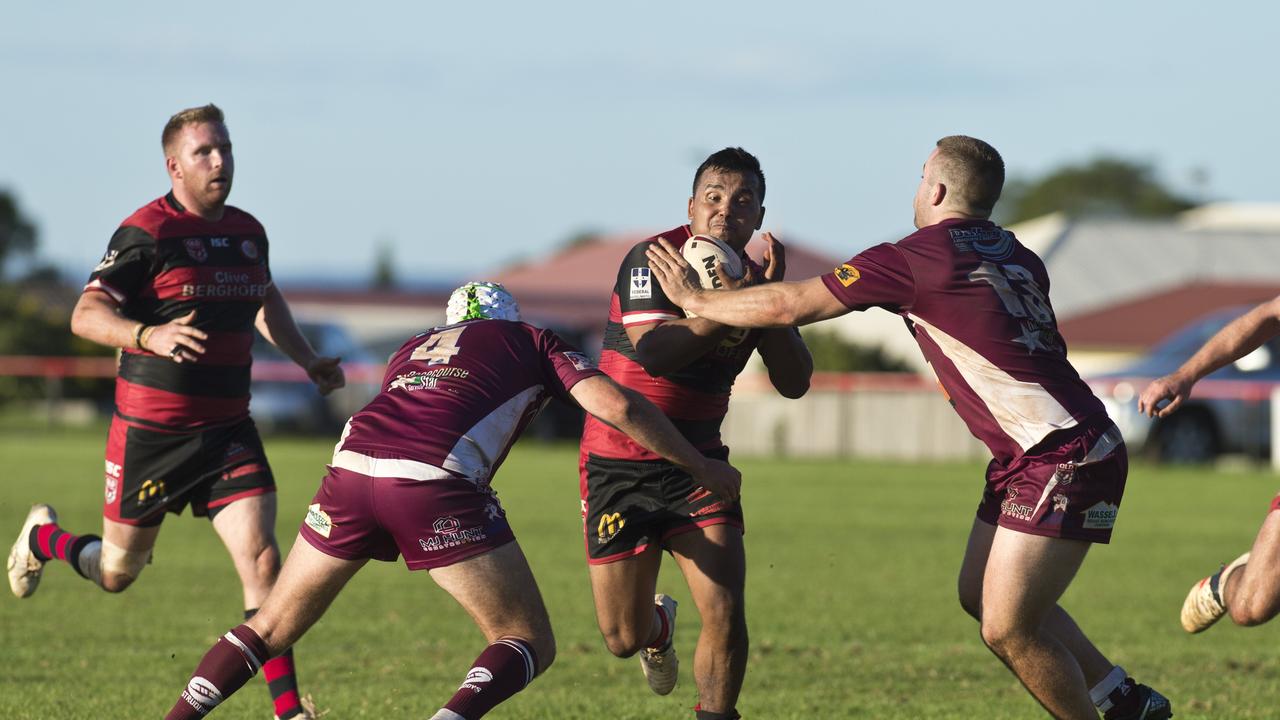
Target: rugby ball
704, 252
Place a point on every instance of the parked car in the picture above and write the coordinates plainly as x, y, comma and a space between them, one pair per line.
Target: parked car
1228, 412
282, 397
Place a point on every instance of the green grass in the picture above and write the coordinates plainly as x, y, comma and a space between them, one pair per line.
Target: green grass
851, 600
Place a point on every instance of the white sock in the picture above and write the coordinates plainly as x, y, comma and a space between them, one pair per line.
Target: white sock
1101, 692
447, 714
90, 562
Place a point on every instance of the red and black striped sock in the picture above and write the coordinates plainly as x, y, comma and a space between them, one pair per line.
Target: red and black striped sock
282, 681
502, 670
50, 542
227, 666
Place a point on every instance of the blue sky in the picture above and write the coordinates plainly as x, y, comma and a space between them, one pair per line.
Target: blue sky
466, 135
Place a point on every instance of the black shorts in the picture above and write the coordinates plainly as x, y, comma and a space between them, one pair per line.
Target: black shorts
629, 504
150, 472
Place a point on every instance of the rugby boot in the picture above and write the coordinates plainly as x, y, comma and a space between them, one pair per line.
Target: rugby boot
309, 709
24, 567
1151, 706
660, 664
1204, 605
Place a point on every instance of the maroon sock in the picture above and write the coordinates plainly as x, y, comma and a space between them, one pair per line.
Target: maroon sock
227, 666
664, 630
282, 681
502, 670
50, 542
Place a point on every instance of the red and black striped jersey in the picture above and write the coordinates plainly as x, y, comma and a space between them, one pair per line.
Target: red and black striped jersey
696, 397
162, 263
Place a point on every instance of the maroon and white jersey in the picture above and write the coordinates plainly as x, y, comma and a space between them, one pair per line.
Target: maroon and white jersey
695, 397
162, 263
456, 397
977, 302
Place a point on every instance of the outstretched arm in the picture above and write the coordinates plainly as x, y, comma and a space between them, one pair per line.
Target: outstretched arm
1239, 338
775, 304
628, 411
276, 324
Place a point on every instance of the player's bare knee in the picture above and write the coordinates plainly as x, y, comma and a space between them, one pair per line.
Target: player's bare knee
622, 641
266, 564
120, 567
1004, 639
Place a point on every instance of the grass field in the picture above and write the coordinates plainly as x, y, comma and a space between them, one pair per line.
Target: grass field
850, 600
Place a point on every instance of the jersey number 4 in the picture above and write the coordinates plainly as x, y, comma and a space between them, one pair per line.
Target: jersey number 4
439, 348
1017, 289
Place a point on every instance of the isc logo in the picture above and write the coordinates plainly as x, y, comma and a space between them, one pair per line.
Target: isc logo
610, 524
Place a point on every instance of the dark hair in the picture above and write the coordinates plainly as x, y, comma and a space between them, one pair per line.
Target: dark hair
190, 116
974, 169
732, 159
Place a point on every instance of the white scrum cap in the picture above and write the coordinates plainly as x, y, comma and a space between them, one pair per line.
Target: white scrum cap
481, 301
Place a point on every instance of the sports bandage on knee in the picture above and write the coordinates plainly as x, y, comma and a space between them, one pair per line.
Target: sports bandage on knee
118, 561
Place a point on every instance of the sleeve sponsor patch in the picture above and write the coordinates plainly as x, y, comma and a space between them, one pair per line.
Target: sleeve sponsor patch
579, 361
847, 274
641, 284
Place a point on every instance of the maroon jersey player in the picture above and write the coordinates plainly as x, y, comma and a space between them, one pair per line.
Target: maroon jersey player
977, 302
412, 476
179, 290
634, 503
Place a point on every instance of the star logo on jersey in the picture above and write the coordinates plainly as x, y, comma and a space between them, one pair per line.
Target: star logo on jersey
847, 274
1032, 338
641, 284
196, 249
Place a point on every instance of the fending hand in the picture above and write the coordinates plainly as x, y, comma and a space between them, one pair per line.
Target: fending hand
326, 373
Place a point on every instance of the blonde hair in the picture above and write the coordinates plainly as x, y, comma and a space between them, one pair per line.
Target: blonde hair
973, 172
190, 116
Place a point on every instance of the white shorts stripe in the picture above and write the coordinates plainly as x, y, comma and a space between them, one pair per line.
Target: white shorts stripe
388, 467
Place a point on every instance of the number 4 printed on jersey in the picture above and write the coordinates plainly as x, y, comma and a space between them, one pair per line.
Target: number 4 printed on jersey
1017, 289
439, 348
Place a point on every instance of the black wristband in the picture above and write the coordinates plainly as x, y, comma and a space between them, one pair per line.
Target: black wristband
137, 336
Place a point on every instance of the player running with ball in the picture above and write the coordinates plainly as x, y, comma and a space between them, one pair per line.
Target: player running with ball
412, 476
634, 503
977, 302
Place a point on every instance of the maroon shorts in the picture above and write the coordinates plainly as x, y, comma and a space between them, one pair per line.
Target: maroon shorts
1068, 486
149, 472
433, 523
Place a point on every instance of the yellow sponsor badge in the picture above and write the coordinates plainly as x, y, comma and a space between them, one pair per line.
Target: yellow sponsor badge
319, 520
847, 274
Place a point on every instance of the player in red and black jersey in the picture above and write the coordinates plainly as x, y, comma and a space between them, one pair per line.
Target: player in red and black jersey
977, 302
183, 283
634, 503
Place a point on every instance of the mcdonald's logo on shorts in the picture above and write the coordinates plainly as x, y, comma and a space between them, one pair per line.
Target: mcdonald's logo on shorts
610, 524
